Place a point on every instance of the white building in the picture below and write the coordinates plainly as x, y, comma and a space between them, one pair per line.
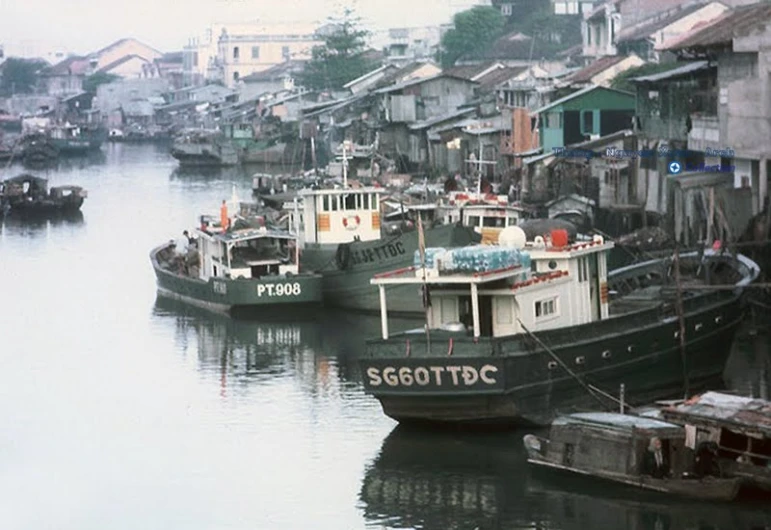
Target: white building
229, 52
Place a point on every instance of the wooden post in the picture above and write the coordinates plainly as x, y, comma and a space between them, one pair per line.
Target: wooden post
621, 398
681, 319
711, 215
383, 312
475, 309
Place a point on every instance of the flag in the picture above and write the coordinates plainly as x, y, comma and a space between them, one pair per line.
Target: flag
421, 241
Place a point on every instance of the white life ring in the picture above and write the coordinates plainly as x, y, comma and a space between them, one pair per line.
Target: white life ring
351, 222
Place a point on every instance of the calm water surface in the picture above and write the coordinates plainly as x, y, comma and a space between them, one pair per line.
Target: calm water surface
122, 411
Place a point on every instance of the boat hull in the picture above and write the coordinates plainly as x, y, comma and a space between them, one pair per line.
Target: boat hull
226, 295
707, 489
348, 285
514, 381
204, 155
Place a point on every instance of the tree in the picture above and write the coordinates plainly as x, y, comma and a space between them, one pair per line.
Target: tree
342, 57
20, 76
92, 82
473, 31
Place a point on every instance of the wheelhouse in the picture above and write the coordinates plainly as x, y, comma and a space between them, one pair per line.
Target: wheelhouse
333, 216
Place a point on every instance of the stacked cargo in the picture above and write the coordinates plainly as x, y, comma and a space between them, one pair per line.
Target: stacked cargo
479, 258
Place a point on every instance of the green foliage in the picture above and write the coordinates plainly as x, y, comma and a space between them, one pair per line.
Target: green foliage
553, 32
20, 76
623, 80
342, 57
92, 82
473, 31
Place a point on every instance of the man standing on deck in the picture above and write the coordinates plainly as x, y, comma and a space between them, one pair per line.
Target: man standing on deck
224, 219
656, 464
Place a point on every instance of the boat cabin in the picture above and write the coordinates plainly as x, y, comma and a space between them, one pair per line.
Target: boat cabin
518, 287
486, 214
245, 252
334, 216
612, 443
740, 428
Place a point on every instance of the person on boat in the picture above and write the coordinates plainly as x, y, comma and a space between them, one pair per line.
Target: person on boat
191, 241
706, 461
656, 463
224, 219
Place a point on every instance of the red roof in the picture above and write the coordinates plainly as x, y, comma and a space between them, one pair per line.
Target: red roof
69, 66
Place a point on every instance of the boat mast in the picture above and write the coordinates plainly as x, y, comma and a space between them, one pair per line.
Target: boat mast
479, 177
345, 166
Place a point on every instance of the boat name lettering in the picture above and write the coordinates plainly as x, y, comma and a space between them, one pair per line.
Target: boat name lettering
279, 289
438, 375
370, 255
220, 288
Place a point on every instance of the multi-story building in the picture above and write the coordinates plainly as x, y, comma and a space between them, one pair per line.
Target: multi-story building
571, 7
405, 45
229, 52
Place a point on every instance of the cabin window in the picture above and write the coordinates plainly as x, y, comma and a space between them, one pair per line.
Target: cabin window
545, 308
493, 222
365, 201
375, 202
587, 122
325, 203
349, 202
473, 220
333, 203
583, 270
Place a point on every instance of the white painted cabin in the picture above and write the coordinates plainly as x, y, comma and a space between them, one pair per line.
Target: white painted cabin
487, 214
334, 216
560, 287
247, 253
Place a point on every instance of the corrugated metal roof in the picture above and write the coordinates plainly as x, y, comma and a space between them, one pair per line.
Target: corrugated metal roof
743, 412
585, 75
646, 28
616, 421
722, 30
675, 72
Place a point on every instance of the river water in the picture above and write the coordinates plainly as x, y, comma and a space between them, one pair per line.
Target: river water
121, 411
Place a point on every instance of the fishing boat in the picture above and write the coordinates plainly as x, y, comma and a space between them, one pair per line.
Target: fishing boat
737, 427
29, 195
248, 266
344, 241
522, 331
204, 147
614, 447
76, 139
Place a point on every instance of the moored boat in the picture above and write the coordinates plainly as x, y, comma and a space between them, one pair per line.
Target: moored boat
245, 267
488, 214
76, 139
737, 427
630, 450
36, 149
203, 147
342, 238
543, 328
29, 195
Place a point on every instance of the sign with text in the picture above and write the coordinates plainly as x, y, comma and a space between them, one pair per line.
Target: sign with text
433, 375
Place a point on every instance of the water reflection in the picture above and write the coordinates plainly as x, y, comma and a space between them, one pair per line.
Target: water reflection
462, 481
575, 503
31, 224
748, 370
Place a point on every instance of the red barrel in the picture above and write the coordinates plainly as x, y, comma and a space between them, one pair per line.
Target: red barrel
559, 237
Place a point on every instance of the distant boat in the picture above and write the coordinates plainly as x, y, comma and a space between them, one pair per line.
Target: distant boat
29, 195
37, 149
246, 267
204, 147
76, 139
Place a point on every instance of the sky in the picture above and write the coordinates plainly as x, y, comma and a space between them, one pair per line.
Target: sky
81, 26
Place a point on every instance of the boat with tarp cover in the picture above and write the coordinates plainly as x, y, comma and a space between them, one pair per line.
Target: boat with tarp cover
543, 328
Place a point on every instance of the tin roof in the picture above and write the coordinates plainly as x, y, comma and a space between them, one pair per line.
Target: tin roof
743, 412
722, 30
614, 420
648, 27
687, 68
585, 75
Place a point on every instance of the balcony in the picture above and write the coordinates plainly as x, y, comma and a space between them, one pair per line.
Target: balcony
705, 133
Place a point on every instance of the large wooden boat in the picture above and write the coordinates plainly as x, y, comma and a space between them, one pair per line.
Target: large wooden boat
613, 447
28, 195
738, 429
76, 139
342, 238
36, 149
245, 267
522, 339
488, 214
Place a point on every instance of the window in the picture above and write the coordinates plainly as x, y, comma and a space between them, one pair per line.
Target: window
236, 53
349, 202
553, 120
587, 123
494, 222
366, 205
333, 203
256, 52
284, 52
236, 76
195, 58
473, 221
745, 181
545, 308
506, 10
